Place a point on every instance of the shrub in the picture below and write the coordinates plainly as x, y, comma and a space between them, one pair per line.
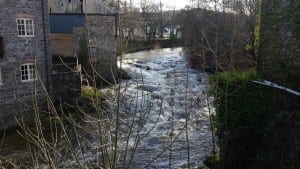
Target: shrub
248, 118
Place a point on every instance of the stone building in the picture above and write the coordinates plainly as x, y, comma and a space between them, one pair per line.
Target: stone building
78, 6
65, 6
97, 26
24, 60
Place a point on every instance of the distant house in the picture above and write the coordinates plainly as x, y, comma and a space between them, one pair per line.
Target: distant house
24, 60
172, 32
95, 24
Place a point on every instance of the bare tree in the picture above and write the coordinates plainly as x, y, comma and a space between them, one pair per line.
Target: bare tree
225, 30
151, 17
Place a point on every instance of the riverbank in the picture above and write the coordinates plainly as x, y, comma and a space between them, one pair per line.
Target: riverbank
136, 46
256, 125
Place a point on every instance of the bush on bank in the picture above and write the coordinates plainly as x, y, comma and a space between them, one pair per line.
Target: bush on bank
257, 126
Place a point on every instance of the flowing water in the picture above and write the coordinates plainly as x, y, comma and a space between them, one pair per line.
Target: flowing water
164, 112
172, 93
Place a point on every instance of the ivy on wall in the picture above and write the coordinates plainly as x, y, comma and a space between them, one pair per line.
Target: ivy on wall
269, 46
293, 15
277, 50
256, 126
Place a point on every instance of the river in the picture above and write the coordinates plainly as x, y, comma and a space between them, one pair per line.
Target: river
175, 93
164, 117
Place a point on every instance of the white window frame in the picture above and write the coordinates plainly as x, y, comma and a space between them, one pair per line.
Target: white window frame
27, 71
24, 27
1, 79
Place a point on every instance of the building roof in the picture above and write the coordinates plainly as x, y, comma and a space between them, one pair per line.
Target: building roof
78, 6
64, 23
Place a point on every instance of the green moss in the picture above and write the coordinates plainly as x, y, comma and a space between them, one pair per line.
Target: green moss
92, 94
248, 47
233, 76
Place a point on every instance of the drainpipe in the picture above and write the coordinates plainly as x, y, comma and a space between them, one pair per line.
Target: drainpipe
116, 15
81, 6
45, 46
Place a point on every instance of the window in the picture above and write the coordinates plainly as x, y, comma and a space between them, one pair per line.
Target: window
1, 82
27, 72
25, 27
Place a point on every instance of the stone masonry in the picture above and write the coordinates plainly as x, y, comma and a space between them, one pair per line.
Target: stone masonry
16, 97
101, 31
105, 43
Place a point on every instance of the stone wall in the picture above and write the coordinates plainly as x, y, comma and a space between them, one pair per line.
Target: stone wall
102, 39
67, 88
17, 96
279, 49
